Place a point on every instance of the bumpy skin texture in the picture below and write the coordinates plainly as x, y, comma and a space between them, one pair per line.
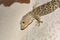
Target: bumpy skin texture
46, 8
42, 10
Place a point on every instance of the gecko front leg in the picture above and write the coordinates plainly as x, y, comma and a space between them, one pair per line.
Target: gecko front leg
37, 17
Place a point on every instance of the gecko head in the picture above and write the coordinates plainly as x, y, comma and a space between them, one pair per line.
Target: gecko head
26, 21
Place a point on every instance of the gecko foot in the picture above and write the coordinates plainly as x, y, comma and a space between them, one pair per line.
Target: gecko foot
38, 23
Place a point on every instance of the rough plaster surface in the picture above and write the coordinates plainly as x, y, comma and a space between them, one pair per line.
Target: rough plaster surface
48, 30
10, 28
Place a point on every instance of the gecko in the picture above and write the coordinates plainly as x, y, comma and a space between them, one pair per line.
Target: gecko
37, 12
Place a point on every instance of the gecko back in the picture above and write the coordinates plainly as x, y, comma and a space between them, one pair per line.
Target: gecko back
46, 8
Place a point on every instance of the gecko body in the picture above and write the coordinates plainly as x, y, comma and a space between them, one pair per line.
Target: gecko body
39, 11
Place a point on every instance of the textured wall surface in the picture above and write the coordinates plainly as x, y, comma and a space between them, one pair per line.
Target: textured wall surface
10, 23
48, 30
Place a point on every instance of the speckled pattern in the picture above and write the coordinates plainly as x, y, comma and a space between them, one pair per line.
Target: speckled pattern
41, 10
46, 8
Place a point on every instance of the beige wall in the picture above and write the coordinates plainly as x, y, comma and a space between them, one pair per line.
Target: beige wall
10, 28
10, 21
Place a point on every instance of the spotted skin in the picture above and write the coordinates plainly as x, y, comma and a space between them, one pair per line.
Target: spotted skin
39, 11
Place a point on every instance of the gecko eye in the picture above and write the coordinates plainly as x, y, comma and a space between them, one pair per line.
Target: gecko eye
23, 22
